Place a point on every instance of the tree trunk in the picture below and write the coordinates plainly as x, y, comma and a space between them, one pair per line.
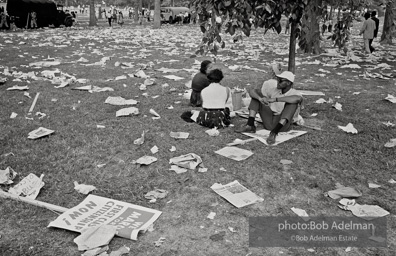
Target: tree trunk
172, 3
100, 13
292, 46
92, 17
331, 13
157, 13
389, 25
309, 40
136, 12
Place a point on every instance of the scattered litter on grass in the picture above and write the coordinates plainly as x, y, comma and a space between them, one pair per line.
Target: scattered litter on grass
232, 230
121, 251
34, 103
156, 194
234, 153
179, 135
241, 142
338, 106
7, 176
177, 169
211, 215
27, 95
388, 124
222, 169
373, 185
342, 192
160, 241
41, 115
390, 98
311, 250
173, 77
392, 181
172, 149
348, 128
154, 149
202, 169
13, 115
367, 212
188, 161
29, 186
301, 213
146, 160
94, 237
100, 251
218, 237
100, 126
119, 101
93, 204
351, 66
213, 132
140, 140
127, 111
262, 136
391, 143
83, 189
348, 249
236, 194
156, 115
39, 132
18, 88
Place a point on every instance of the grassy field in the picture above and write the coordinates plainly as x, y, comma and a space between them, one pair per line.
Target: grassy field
320, 158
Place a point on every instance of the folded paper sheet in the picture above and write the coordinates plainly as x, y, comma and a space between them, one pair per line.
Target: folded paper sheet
234, 153
120, 101
7, 175
236, 194
96, 211
39, 132
262, 135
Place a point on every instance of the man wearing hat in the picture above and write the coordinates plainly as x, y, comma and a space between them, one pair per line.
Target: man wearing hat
276, 102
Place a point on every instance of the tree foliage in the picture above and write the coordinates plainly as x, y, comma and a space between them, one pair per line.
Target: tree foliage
242, 15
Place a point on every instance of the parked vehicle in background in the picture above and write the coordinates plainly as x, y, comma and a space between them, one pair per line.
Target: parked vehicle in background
172, 14
46, 10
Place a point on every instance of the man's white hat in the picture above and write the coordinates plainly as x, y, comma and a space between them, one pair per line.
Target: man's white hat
287, 75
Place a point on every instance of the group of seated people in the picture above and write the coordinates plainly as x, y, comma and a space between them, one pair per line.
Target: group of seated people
277, 103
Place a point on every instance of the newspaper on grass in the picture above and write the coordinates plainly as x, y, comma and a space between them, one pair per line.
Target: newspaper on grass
262, 136
95, 211
236, 194
29, 186
234, 153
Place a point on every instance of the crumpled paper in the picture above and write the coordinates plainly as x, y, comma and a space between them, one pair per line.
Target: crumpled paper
390, 144
367, 212
348, 128
146, 160
156, 194
7, 175
213, 132
95, 237
140, 140
121, 251
82, 188
342, 192
390, 98
188, 161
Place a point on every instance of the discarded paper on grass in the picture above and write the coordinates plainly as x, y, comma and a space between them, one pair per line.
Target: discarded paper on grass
236, 194
94, 211
29, 186
262, 136
39, 132
234, 153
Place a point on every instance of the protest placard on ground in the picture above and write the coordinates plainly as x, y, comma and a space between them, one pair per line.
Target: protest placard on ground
95, 211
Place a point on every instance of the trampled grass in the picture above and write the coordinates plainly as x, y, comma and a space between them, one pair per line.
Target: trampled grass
320, 158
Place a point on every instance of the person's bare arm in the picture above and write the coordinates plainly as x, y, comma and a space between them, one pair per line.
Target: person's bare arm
287, 99
256, 94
